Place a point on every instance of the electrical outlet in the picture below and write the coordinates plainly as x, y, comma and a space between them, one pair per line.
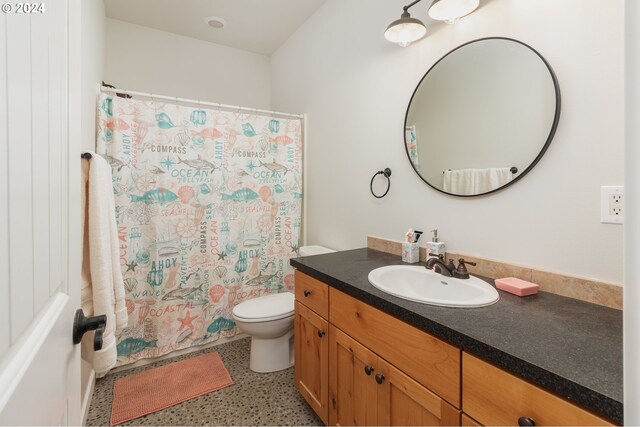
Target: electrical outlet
612, 204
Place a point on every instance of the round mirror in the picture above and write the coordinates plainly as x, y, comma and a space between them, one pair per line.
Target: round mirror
482, 117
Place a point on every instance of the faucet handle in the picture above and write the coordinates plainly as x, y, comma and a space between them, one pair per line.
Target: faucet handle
440, 256
463, 262
461, 271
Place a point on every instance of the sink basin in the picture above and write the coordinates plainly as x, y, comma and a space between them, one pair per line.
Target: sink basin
416, 283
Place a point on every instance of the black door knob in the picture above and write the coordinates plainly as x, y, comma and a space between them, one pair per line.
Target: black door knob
82, 324
321, 333
526, 421
368, 369
307, 293
379, 378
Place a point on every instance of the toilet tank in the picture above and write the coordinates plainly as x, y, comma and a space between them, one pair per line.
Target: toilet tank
314, 250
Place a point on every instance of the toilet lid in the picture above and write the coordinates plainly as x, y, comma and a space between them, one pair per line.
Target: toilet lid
270, 307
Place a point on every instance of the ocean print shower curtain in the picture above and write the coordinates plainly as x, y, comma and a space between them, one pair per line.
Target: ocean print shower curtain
208, 206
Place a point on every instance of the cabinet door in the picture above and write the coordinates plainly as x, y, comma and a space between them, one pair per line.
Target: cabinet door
312, 358
402, 401
352, 385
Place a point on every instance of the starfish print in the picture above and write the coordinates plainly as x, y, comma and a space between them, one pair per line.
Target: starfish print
168, 163
222, 255
251, 166
294, 248
131, 266
186, 321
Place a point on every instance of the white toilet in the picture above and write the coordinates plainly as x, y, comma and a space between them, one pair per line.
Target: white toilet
269, 322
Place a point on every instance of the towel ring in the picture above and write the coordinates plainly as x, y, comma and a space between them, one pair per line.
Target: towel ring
387, 174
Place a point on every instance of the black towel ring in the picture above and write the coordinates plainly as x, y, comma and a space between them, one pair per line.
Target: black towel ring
387, 174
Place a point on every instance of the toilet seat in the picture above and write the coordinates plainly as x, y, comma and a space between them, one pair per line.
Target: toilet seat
265, 308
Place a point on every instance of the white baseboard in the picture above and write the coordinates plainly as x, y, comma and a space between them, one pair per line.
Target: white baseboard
88, 395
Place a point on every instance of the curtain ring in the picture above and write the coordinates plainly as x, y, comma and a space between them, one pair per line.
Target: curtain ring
386, 173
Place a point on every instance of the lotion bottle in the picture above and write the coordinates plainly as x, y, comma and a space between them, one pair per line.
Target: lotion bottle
435, 247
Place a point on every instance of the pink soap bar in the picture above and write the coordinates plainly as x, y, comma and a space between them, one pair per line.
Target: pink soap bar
517, 286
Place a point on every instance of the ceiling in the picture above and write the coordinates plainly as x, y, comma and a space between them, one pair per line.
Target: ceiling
259, 26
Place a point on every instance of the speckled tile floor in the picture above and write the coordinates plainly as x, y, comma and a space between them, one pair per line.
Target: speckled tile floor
253, 399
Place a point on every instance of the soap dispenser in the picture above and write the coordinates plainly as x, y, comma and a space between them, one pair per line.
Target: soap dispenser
435, 248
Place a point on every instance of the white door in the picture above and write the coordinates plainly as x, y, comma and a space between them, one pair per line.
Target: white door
39, 213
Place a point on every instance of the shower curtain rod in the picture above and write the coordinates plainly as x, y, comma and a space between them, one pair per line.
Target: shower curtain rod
197, 102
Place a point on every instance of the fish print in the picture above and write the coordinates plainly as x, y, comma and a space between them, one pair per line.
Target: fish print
221, 324
243, 195
131, 346
279, 189
115, 125
275, 167
260, 279
159, 195
198, 163
180, 293
205, 189
281, 140
113, 162
248, 130
211, 133
156, 171
164, 121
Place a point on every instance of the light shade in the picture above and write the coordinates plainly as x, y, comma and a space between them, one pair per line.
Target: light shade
405, 30
451, 10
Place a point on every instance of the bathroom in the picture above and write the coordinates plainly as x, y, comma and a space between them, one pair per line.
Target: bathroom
327, 64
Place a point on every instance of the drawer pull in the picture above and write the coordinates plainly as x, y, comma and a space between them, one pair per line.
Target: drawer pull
526, 421
368, 369
379, 378
307, 293
321, 333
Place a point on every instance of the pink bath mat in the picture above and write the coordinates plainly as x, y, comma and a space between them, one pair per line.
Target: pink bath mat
159, 388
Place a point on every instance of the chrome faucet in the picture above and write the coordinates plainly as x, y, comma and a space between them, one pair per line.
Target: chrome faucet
449, 270
438, 265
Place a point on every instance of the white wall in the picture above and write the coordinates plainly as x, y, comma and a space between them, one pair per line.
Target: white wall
355, 87
632, 228
93, 43
148, 60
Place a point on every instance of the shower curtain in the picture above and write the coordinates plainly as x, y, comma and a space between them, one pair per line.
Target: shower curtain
208, 207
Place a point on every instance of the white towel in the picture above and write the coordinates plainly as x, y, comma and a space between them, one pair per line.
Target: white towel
475, 181
102, 284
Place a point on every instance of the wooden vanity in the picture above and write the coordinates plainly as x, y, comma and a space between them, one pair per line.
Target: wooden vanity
356, 365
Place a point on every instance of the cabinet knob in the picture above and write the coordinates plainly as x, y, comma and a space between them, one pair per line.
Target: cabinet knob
379, 378
368, 369
526, 421
321, 333
307, 293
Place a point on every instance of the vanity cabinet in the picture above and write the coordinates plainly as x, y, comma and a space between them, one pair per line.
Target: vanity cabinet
495, 397
312, 343
357, 365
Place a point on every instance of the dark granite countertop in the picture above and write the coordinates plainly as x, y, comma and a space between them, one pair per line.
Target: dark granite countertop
569, 347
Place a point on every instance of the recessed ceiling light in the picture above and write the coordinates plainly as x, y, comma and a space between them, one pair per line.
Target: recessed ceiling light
215, 22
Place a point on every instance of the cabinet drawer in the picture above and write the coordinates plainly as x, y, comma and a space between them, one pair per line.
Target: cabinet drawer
430, 361
495, 397
312, 293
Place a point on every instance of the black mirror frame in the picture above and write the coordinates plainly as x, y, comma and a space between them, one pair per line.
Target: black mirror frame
552, 132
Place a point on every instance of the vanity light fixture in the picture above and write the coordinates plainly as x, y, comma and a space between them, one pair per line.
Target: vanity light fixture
405, 30
451, 10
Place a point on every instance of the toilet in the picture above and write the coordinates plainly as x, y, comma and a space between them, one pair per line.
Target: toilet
269, 322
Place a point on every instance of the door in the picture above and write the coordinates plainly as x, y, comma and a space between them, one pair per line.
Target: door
352, 385
404, 402
39, 213
312, 359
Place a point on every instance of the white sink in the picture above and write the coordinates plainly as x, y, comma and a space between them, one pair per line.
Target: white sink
418, 284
